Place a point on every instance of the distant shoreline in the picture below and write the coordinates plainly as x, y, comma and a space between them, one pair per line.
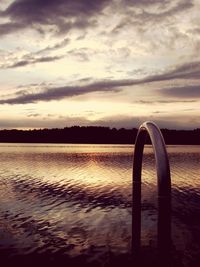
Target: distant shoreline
94, 135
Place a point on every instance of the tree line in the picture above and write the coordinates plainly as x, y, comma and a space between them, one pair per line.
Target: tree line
94, 135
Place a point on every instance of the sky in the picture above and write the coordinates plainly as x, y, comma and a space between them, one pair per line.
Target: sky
111, 63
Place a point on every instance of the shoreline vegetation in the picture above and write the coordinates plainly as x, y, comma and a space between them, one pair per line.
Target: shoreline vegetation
94, 135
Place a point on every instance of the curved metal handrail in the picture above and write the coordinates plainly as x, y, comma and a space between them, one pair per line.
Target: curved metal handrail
164, 188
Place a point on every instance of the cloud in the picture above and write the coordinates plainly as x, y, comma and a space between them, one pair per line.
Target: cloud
129, 122
170, 101
163, 121
147, 19
185, 71
42, 122
8, 27
62, 15
27, 60
36, 60
170, 11
81, 54
144, 2
10, 59
189, 70
57, 93
144, 12
188, 91
34, 115
57, 46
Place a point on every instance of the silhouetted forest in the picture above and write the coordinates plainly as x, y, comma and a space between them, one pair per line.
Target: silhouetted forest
94, 135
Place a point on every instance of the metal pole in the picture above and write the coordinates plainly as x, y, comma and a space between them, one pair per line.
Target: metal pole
164, 191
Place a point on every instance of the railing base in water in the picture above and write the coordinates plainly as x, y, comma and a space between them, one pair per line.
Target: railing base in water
164, 192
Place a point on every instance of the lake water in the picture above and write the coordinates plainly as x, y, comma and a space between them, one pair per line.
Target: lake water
72, 203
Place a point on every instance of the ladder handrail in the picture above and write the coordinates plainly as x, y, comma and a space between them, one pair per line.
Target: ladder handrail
163, 184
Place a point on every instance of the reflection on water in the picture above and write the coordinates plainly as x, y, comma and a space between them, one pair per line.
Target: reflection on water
73, 203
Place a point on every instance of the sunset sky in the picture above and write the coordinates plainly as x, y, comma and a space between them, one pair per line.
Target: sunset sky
111, 63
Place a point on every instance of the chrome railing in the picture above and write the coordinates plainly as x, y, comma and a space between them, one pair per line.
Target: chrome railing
164, 191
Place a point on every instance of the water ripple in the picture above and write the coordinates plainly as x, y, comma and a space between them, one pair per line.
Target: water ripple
75, 202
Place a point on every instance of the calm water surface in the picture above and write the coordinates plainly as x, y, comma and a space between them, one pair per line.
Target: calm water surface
73, 202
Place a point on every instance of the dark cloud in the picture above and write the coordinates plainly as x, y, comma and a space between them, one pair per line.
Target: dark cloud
185, 71
57, 93
63, 14
8, 27
30, 61
188, 91
194, 31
